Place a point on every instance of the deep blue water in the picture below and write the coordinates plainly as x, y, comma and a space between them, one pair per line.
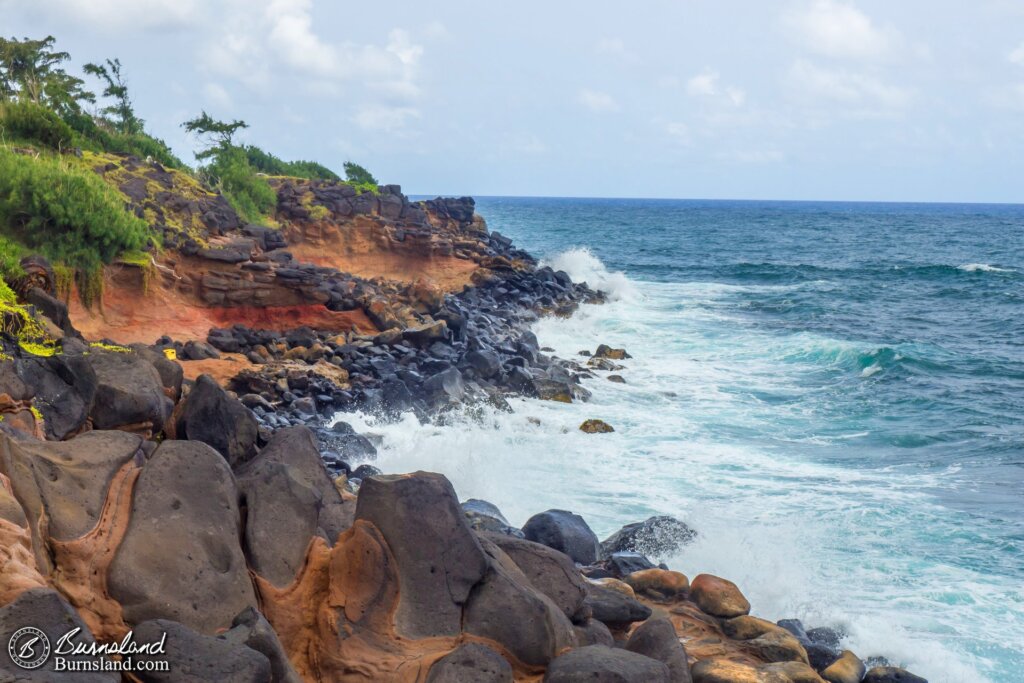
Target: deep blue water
832, 393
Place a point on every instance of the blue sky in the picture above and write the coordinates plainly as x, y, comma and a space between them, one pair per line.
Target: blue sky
797, 99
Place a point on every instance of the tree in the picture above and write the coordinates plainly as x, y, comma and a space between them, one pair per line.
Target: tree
121, 111
216, 134
357, 175
30, 70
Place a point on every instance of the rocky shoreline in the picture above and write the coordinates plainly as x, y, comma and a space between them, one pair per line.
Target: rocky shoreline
201, 488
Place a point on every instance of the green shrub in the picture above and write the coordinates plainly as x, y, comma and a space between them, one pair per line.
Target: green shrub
69, 215
11, 254
250, 195
35, 123
265, 162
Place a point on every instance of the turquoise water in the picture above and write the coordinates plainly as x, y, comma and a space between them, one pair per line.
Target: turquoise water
831, 393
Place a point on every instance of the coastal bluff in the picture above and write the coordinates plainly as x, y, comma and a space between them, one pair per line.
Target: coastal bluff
171, 462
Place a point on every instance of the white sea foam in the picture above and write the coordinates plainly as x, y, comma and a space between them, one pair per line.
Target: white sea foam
983, 267
823, 542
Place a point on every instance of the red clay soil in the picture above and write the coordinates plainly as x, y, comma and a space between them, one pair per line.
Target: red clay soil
127, 316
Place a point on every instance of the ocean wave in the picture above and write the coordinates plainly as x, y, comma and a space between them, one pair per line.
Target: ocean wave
583, 266
983, 268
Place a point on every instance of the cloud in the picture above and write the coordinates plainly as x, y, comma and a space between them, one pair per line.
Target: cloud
106, 15
217, 95
597, 101
1016, 56
706, 84
384, 119
840, 30
752, 156
846, 87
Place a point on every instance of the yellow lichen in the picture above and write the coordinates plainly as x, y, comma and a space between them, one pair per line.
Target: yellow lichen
117, 348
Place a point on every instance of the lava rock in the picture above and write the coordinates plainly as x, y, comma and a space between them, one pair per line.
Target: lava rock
566, 532
658, 536
614, 608
484, 516
891, 674
718, 597
657, 639
196, 658
471, 663
129, 391
600, 664
209, 415
593, 426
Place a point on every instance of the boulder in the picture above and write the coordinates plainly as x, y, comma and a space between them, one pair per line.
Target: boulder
600, 664
209, 415
507, 609
594, 426
746, 627
549, 571
484, 516
65, 482
485, 363
46, 610
718, 597
720, 670
251, 629
847, 669
171, 373
64, 388
444, 388
657, 639
622, 564
658, 584
565, 532
181, 556
438, 557
656, 536
778, 645
471, 663
605, 351
196, 658
129, 391
593, 632
793, 672
614, 608
891, 674
289, 498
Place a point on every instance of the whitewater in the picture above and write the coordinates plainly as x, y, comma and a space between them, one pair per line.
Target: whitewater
775, 442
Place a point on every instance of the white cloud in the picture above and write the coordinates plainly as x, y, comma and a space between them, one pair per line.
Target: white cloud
383, 118
847, 87
840, 30
706, 84
597, 101
105, 15
1016, 56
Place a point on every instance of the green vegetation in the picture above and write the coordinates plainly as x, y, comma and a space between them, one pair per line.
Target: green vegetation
357, 175
30, 71
249, 194
16, 322
265, 162
121, 114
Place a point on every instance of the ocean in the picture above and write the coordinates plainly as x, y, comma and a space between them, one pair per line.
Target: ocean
832, 394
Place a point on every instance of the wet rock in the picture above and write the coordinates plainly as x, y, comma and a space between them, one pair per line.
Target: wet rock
566, 532
658, 584
444, 388
657, 639
746, 627
438, 557
656, 536
826, 635
622, 564
45, 609
549, 571
196, 658
847, 669
778, 646
718, 597
471, 663
593, 426
181, 557
720, 670
252, 630
485, 364
289, 497
794, 626
209, 415
506, 608
129, 391
484, 516
614, 608
616, 379
891, 674
605, 351
793, 672
600, 664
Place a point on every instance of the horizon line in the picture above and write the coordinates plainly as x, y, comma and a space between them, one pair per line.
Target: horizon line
723, 199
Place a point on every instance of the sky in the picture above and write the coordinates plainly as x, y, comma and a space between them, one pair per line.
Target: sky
890, 100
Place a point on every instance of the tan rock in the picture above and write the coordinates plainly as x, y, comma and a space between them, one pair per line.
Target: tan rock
779, 646
725, 671
718, 597
747, 627
797, 672
847, 669
659, 584
615, 585
596, 427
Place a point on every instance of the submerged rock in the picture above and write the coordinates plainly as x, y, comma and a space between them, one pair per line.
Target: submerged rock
593, 426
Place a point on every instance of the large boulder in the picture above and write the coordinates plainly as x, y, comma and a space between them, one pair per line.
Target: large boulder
566, 532
181, 556
65, 482
289, 498
209, 415
438, 557
847, 669
251, 629
656, 537
600, 664
471, 663
506, 608
718, 597
663, 585
171, 373
614, 608
891, 674
484, 516
64, 389
129, 392
196, 658
46, 610
657, 639
549, 571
